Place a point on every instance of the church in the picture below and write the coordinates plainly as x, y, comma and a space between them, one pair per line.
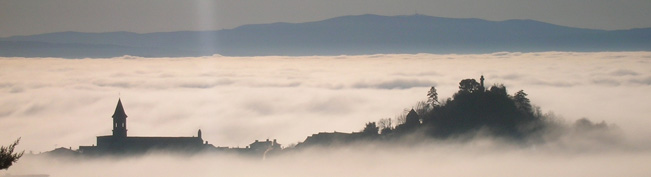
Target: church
119, 142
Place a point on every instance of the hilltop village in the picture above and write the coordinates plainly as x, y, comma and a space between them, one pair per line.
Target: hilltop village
474, 108
119, 143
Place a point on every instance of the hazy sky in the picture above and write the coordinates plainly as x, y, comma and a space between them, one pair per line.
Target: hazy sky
24, 17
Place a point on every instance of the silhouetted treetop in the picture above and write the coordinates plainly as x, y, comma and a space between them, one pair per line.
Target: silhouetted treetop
432, 97
522, 102
469, 86
498, 89
7, 155
371, 129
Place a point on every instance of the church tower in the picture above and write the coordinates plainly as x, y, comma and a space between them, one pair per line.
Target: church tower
119, 121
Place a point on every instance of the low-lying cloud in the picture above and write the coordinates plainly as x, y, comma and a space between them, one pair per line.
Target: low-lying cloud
395, 84
479, 157
235, 100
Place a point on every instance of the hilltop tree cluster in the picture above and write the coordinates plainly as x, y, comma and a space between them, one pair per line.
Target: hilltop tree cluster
474, 108
471, 109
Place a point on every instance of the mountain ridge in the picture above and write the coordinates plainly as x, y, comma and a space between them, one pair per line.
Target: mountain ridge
345, 35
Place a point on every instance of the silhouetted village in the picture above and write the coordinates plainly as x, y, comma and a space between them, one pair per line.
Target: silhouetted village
473, 109
120, 144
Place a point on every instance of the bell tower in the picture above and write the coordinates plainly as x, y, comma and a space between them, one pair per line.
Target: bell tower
119, 121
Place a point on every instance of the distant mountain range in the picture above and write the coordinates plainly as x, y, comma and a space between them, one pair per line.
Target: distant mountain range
347, 35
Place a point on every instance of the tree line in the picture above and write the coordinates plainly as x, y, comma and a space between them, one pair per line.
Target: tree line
472, 109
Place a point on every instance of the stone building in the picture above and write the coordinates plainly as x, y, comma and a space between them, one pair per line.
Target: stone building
119, 142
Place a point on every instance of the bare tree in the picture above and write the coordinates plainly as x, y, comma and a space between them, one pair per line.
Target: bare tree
422, 107
7, 155
385, 123
402, 118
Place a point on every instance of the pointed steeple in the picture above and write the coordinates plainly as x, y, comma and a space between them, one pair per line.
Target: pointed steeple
119, 110
119, 121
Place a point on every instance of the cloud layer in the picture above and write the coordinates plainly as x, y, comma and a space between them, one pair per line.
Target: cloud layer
235, 100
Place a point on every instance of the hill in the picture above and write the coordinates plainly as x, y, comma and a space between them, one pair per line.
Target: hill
475, 111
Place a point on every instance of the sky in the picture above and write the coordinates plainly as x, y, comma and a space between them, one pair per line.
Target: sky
52, 102
28, 17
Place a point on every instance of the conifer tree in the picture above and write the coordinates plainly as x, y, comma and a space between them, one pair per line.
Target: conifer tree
7, 155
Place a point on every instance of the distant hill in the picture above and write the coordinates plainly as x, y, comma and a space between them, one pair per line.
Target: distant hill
347, 35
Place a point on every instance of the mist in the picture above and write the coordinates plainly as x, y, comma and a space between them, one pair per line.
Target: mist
480, 157
51, 102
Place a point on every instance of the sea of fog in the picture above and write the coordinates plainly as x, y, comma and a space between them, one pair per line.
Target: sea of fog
51, 102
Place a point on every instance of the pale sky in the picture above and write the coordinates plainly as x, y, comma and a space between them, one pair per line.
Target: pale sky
26, 17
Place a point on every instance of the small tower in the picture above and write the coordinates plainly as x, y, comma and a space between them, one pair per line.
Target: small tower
481, 83
119, 121
199, 134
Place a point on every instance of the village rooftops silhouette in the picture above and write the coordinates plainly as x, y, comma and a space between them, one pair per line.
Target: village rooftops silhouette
120, 143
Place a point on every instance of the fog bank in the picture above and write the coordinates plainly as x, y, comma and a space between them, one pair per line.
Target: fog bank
52, 102
480, 157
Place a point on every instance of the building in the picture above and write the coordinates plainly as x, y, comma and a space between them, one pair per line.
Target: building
119, 142
262, 146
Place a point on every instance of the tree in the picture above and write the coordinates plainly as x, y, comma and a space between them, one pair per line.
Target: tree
385, 123
401, 118
385, 126
371, 129
422, 107
469, 85
7, 155
432, 97
498, 89
522, 102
